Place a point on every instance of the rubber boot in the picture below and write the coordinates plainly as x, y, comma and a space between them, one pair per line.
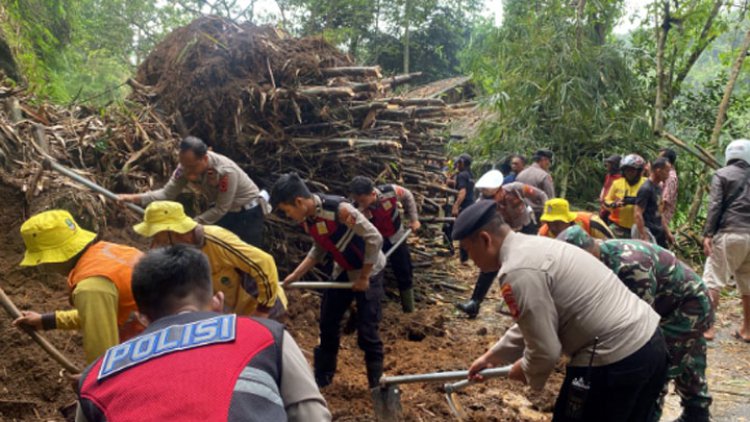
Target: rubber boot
407, 300
325, 367
374, 373
484, 282
694, 414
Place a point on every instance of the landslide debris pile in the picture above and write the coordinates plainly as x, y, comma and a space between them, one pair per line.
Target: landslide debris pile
275, 103
272, 102
122, 149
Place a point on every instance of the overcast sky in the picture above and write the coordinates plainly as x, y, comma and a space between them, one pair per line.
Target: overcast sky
494, 8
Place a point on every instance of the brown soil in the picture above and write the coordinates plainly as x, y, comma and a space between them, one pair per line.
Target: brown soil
435, 338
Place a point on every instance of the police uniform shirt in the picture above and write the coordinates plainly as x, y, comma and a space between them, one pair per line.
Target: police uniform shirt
561, 298
225, 185
536, 176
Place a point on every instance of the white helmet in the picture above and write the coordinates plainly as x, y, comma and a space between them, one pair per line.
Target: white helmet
739, 149
493, 179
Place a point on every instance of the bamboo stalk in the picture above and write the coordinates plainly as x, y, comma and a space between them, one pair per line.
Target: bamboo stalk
364, 71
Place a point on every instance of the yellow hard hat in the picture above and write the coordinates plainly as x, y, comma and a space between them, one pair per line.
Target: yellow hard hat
53, 237
164, 216
558, 209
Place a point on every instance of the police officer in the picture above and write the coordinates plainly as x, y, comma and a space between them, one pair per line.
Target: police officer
680, 297
338, 229
194, 364
564, 301
537, 174
246, 275
518, 203
237, 204
380, 205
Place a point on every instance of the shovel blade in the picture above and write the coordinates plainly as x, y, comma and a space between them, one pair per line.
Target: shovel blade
387, 403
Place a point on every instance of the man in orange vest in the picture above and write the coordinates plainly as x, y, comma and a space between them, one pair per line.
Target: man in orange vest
557, 217
98, 275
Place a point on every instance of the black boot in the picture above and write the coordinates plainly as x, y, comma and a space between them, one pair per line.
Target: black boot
694, 414
325, 367
484, 282
374, 373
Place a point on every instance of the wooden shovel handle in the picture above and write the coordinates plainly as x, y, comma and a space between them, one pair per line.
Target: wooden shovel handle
40, 339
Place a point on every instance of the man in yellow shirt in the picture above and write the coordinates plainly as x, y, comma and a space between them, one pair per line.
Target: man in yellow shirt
620, 199
245, 274
557, 217
98, 275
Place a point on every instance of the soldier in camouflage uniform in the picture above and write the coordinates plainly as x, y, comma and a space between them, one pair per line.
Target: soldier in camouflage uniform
679, 295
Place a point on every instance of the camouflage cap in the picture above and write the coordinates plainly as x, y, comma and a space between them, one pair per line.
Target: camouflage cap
575, 235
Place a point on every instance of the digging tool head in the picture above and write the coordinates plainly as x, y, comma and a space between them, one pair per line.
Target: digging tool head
452, 399
386, 401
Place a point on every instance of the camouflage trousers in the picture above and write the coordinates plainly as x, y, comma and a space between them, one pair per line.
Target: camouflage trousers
683, 331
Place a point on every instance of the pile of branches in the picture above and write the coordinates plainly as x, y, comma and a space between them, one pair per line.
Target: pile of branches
271, 102
275, 104
123, 149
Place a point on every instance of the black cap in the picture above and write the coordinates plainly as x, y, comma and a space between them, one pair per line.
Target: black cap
473, 218
614, 159
544, 152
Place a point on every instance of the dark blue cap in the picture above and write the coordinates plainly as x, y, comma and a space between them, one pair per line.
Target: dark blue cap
473, 218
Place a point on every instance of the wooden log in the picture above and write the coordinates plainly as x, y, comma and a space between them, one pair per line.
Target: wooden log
352, 142
364, 71
397, 80
13, 108
414, 101
326, 91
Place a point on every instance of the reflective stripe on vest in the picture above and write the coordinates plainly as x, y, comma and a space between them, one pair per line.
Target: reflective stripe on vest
115, 263
346, 248
385, 215
197, 384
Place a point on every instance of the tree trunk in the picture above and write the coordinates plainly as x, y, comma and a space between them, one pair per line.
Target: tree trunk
8, 62
661, 37
724, 105
407, 23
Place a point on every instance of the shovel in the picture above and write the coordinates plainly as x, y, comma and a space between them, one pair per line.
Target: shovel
51, 350
451, 389
387, 396
319, 285
397, 244
50, 163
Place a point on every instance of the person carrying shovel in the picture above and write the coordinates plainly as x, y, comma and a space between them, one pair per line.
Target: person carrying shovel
238, 204
564, 301
98, 274
338, 229
246, 275
380, 205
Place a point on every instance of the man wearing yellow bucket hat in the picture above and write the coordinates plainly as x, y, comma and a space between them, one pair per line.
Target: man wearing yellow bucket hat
98, 276
557, 217
245, 274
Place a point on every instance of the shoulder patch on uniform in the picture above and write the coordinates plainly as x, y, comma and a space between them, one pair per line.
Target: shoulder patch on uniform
224, 183
177, 173
507, 292
220, 329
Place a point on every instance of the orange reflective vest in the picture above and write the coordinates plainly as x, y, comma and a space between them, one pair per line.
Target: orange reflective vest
115, 263
583, 219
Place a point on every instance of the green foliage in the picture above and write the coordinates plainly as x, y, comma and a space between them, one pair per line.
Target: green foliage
556, 84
